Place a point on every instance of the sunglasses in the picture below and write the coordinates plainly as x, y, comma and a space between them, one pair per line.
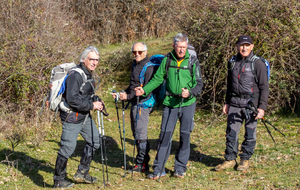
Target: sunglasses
139, 52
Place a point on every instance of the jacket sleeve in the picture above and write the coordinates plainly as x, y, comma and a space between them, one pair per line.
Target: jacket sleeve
263, 84
197, 74
157, 79
73, 97
229, 83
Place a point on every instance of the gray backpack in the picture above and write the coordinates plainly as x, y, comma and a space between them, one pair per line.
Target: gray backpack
58, 78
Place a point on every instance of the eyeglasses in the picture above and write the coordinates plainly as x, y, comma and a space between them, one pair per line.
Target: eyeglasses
91, 59
139, 52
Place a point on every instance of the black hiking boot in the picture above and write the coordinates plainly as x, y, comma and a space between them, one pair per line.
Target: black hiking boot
62, 184
135, 169
84, 177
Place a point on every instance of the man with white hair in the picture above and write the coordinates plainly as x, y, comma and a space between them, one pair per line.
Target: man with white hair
79, 96
183, 83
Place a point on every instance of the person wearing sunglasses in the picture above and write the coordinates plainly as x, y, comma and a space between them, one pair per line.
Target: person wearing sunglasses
139, 125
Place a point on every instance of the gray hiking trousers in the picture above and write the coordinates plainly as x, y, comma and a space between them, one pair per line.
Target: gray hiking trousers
169, 120
236, 116
140, 132
70, 133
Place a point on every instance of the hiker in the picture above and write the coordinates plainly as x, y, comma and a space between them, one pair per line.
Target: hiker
80, 99
179, 103
139, 125
244, 86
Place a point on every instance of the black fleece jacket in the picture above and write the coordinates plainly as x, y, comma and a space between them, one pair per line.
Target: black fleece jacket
80, 102
135, 81
261, 87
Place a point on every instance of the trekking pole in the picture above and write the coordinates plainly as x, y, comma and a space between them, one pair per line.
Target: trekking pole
101, 148
105, 155
116, 100
165, 159
136, 122
123, 108
254, 109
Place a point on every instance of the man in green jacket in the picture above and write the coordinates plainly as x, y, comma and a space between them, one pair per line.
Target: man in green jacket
183, 83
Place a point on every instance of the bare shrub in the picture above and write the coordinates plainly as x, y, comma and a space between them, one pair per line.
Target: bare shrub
116, 20
35, 36
213, 27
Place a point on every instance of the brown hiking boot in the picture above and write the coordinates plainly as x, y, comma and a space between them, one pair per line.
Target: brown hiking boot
244, 165
225, 165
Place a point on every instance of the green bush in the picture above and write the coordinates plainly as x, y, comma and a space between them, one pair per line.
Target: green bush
213, 27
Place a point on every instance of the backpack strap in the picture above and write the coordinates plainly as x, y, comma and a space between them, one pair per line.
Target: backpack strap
142, 73
254, 58
84, 77
231, 62
192, 60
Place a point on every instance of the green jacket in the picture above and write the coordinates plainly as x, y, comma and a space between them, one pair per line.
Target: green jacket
177, 79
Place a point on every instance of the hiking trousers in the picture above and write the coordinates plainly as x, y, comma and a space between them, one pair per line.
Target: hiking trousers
169, 120
70, 133
139, 132
235, 119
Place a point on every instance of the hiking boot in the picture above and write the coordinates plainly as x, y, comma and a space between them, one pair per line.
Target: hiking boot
62, 184
179, 174
135, 169
225, 165
87, 178
244, 165
155, 176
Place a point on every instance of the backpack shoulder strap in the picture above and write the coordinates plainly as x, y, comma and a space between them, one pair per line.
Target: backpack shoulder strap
192, 61
168, 63
84, 77
231, 62
254, 58
142, 73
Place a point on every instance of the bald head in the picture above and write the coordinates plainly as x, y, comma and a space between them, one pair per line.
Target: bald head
139, 51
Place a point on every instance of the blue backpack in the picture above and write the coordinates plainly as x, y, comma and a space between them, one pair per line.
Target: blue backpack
158, 95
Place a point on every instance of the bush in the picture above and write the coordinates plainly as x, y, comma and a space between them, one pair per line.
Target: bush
34, 36
123, 21
213, 27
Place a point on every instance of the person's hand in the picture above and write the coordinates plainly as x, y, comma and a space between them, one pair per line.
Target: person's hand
114, 95
139, 91
123, 96
260, 114
185, 92
98, 105
226, 108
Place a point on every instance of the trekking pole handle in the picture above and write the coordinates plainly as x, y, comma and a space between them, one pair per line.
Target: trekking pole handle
122, 91
117, 96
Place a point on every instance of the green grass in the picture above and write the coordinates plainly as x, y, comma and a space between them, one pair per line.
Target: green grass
273, 166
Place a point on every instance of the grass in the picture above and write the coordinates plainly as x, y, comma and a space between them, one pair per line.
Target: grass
273, 166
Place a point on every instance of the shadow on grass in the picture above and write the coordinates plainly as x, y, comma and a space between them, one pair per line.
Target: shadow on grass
27, 165
195, 156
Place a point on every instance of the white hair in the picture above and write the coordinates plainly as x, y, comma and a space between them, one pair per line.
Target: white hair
145, 46
86, 52
180, 38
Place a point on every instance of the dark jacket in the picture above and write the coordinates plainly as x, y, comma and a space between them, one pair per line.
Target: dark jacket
241, 83
80, 102
135, 81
